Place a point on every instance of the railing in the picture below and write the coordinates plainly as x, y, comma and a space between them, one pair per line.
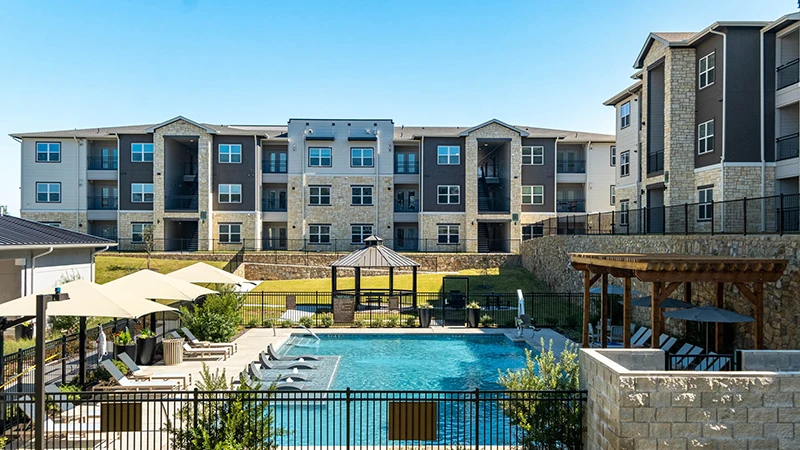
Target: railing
655, 161
180, 202
102, 202
571, 205
406, 167
273, 244
704, 362
102, 163
268, 166
494, 205
110, 235
787, 146
336, 419
407, 206
578, 166
788, 74
273, 205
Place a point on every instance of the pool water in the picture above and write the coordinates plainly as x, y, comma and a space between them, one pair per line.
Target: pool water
414, 362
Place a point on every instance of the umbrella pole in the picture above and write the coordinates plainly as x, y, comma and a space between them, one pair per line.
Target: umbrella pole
81, 352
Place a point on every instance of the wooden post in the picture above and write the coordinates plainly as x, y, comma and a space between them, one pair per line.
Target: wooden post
604, 312
718, 326
687, 292
626, 313
587, 279
655, 314
758, 315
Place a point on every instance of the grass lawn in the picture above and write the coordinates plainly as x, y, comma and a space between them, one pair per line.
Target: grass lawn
108, 268
506, 279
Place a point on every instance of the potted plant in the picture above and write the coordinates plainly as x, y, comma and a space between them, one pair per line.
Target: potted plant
425, 311
123, 343
145, 347
473, 314
27, 330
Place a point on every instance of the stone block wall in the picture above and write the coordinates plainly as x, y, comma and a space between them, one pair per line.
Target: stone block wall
249, 223
679, 127
429, 232
124, 229
74, 220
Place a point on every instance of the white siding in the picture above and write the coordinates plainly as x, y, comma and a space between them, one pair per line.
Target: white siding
599, 177
70, 172
628, 140
49, 269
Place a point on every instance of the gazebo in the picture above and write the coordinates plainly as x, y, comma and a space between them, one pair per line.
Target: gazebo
374, 256
667, 272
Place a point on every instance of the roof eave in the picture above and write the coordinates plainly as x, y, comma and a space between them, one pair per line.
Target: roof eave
466, 132
55, 246
177, 118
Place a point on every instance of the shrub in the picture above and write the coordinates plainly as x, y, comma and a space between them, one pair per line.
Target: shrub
486, 320
546, 423
326, 320
268, 323
572, 321
392, 322
217, 319
411, 322
252, 323
306, 321
359, 323
287, 323
473, 305
377, 323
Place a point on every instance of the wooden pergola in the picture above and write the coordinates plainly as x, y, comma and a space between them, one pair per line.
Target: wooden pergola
668, 271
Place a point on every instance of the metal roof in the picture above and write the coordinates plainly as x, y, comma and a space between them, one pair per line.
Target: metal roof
374, 254
18, 232
628, 92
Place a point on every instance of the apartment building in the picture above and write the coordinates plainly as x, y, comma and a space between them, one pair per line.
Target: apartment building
322, 184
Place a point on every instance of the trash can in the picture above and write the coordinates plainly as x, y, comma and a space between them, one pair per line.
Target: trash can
173, 351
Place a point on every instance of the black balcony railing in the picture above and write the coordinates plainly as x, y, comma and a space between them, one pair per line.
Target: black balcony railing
102, 203
576, 205
493, 205
571, 166
273, 166
103, 163
787, 146
788, 74
406, 167
190, 168
180, 202
655, 161
273, 205
407, 206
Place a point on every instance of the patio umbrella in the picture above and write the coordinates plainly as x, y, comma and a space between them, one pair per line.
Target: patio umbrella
646, 302
612, 289
708, 314
205, 273
148, 284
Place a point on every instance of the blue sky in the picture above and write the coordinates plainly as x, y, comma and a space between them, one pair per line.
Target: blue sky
541, 63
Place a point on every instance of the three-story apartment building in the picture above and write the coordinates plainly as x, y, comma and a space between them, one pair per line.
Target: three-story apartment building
322, 184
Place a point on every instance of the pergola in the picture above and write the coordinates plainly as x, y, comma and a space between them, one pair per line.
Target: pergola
668, 271
374, 256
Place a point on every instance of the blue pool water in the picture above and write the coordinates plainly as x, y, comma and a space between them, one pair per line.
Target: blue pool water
414, 362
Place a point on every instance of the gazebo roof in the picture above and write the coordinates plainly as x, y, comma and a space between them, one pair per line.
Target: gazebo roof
374, 254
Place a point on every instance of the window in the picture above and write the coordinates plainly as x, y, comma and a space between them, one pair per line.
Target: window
705, 66
624, 206
361, 195
230, 193
52, 224
613, 155
319, 195
138, 230
449, 155
625, 163
48, 192
141, 152
533, 195
613, 194
625, 115
705, 203
319, 234
360, 157
532, 156
319, 157
230, 153
142, 192
532, 231
48, 152
230, 233
359, 232
449, 194
448, 234
705, 137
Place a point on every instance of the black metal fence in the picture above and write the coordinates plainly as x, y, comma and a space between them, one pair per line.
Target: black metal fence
303, 419
706, 362
778, 214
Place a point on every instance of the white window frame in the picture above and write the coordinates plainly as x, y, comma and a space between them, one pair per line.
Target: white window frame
704, 75
361, 195
141, 189
625, 115
230, 153
319, 193
625, 163
229, 193
142, 149
703, 137
361, 230
705, 204
137, 231
50, 189
613, 193
450, 153
232, 233
624, 214
451, 233
530, 195
50, 148
613, 155
319, 234
362, 157
321, 155
531, 154
451, 190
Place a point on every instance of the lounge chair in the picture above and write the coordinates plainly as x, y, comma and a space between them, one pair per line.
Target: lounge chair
198, 343
707, 363
686, 356
616, 333
638, 334
255, 372
666, 342
201, 352
138, 374
643, 339
68, 410
273, 355
69, 429
128, 384
271, 365
286, 386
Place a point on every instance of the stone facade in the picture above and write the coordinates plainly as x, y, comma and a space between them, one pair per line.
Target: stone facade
679, 128
74, 221
249, 223
295, 196
126, 218
429, 232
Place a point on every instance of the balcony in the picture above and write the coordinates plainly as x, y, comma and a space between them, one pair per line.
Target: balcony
273, 166
106, 234
655, 162
787, 147
576, 205
102, 163
181, 202
787, 74
406, 167
273, 205
574, 166
102, 203
487, 205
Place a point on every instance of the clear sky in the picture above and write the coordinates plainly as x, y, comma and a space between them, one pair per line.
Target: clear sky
77, 64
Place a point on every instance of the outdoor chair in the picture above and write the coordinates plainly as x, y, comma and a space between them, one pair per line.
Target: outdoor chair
128, 384
198, 343
666, 342
255, 372
270, 365
200, 352
616, 333
706, 364
686, 354
138, 374
526, 324
70, 430
638, 334
68, 410
643, 339
286, 386
273, 355
594, 338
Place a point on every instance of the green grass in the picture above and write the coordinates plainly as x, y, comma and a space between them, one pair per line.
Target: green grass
506, 279
108, 268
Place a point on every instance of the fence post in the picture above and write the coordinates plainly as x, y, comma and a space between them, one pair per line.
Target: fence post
780, 216
19, 369
744, 210
63, 359
347, 419
477, 419
194, 405
262, 308
664, 220
685, 218
712, 216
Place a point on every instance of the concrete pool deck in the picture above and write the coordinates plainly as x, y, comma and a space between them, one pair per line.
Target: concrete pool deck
256, 340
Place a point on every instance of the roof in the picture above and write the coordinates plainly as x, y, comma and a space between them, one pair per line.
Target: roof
16, 232
374, 254
494, 121
266, 131
402, 133
178, 118
781, 21
629, 91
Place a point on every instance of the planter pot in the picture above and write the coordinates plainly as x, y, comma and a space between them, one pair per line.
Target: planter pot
473, 317
130, 349
425, 315
26, 332
145, 351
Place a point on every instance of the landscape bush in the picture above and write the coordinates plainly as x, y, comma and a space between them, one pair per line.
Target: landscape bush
287, 323
326, 320
392, 322
268, 323
411, 322
217, 319
359, 323
377, 323
306, 321
486, 320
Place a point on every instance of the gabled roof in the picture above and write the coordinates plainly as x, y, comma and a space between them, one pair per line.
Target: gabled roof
18, 233
669, 39
629, 91
782, 21
501, 123
264, 131
177, 118
407, 133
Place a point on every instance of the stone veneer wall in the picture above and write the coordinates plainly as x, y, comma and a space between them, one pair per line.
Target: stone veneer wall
124, 229
249, 222
74, 221
429, 232
634, 404
547, 258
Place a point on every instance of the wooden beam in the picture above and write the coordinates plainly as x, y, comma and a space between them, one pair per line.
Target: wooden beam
594, 279
604, 312
758, 315
655, 314
620, 273
719, 302
745, 290
666, 291
587, 284
626, 312
708, 277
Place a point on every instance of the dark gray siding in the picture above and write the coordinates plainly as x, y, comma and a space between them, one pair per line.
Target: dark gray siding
742, 138
541, 175
434, 174
244, 173
130, 172
708, 101
655, 111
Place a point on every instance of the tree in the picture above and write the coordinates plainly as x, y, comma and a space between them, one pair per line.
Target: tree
149, 240
65, 324
217, 319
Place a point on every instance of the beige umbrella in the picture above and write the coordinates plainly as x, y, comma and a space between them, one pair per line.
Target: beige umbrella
149, 284
205, 273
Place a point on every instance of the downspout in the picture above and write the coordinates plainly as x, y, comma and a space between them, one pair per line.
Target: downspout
586, 186
555, 180
33, 265
724, 124
763, 147
93, 255
421, 204
377, 194
257, 205
78, 186
118, 191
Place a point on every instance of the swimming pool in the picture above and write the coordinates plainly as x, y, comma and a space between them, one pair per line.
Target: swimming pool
413, 362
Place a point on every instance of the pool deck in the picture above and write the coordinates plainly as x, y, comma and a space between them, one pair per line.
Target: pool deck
255, 340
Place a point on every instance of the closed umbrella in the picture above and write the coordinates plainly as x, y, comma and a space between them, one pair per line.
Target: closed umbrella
708, 314
646, 302
101, 344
